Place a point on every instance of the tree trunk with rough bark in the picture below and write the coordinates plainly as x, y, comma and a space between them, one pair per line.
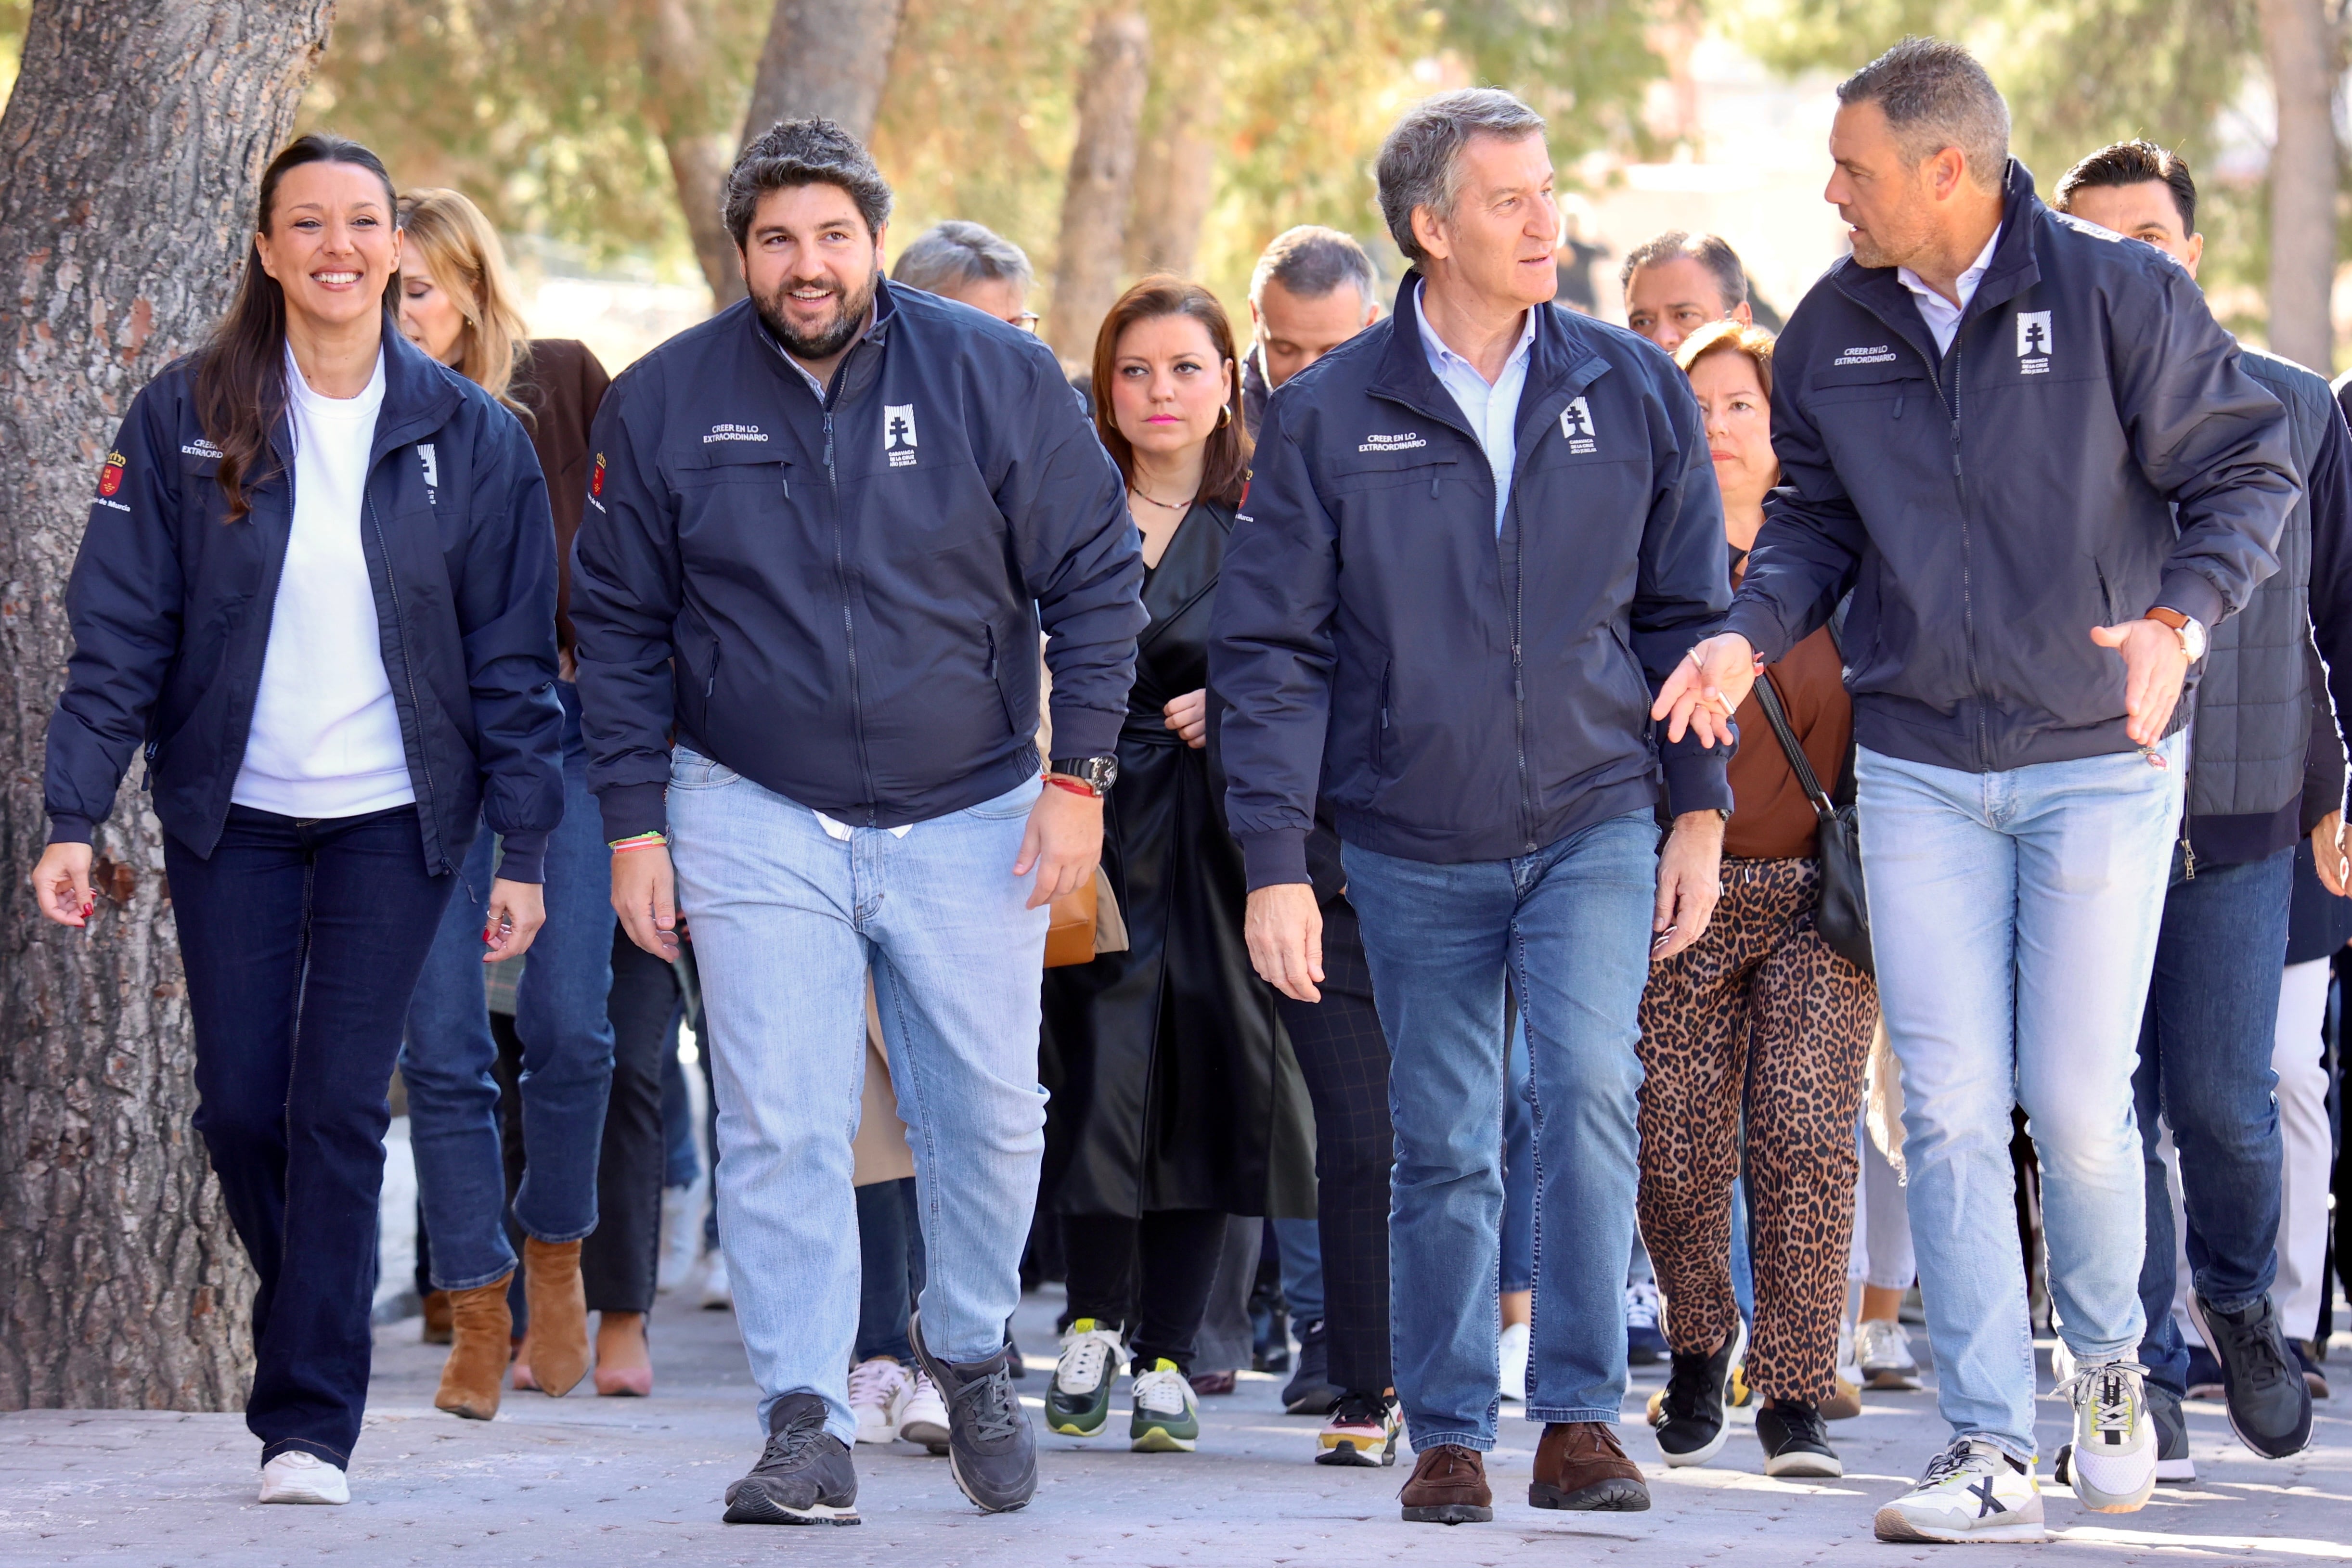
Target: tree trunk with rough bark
2305, 52
678, 69
1176, 167
828, 58
129, 155
1114, 77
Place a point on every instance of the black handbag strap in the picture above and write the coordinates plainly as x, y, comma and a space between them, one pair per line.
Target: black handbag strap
1767, 697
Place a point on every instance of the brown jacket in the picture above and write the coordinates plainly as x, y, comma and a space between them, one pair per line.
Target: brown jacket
1770, 818
561, 383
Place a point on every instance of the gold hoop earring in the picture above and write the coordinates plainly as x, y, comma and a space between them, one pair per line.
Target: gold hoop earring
1224, 415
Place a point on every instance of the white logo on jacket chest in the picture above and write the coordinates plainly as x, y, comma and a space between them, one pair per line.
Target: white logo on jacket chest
431, 461
898, 434
2033, 342
1576, 425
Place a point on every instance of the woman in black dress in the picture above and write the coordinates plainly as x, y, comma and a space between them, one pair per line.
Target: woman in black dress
1178, 1101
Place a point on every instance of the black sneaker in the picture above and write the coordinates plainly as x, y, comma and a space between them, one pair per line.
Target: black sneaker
1690, 1423
992, 1447
2270, 1404
1796, 1443
803, 1475
2173, 1465
1311, 1391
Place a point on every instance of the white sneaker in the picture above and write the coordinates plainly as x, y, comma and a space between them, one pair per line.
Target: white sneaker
922, 1414
2112, 1465
1883, 1352
717, 1295
1167, 1419
1972, 1491
1515, 1362
1847, 1367
1077, 1400
877, 1385
296, 1476
681, 1236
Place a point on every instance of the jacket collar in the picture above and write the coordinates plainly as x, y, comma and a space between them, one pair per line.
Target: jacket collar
2015, 268
419, 394
1561, 354
857, 366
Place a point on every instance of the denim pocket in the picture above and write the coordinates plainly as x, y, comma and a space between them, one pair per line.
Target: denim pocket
1014, 802
689, 770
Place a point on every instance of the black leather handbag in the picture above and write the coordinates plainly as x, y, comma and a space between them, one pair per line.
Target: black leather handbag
1842, 915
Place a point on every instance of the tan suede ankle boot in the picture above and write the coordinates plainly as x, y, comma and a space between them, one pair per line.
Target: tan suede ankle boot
558, 1315
480, 1330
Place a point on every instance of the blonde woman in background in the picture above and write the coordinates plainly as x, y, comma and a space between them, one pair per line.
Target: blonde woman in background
457, 304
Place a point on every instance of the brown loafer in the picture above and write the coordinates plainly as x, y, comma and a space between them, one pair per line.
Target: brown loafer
1579, 1465
1448, 1487
1205, 1383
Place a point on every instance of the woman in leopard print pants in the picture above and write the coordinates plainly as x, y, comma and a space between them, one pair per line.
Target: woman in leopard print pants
1758, 1026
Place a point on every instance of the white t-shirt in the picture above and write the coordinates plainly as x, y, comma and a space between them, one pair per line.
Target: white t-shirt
325, 740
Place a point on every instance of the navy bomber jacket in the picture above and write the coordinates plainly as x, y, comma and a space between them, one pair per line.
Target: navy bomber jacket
840, 598
171, 608
1457, 695
1987, 507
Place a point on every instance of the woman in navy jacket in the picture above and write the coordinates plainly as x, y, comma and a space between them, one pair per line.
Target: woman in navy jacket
318, 586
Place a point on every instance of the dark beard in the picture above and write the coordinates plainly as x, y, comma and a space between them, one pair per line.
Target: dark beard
832, 339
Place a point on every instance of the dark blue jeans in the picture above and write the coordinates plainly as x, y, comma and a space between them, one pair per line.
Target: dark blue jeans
302, 941
891, 1257
2205, 1048
567, 1046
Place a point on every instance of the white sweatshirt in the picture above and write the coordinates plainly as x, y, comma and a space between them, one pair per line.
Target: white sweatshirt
325, 740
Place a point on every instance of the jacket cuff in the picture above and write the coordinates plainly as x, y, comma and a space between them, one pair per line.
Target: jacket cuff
1085, 731
1696, 780
522, 857
632, 808
65, 827
2190, 594
1759, 626
1274, 857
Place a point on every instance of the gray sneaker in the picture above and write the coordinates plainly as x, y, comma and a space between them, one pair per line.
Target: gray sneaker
804, 1475
2173, 1465
2270, 1404
992, 1447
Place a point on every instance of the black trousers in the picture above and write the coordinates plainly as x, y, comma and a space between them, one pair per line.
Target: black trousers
618, 1262
1344, 1057
1150, 1276
302, 941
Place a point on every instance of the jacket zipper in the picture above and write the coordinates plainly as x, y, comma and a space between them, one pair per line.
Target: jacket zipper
1967, 577
408, 666
1518, 664
848, 621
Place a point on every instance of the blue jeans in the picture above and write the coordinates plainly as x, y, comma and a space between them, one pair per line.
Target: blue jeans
2015, 920
787, 919
301, 941
567, 1050
890, 1270
1300, 1243
2205, 1049
1570, 924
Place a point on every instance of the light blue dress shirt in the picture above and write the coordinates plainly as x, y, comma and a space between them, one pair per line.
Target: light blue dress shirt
1492, 410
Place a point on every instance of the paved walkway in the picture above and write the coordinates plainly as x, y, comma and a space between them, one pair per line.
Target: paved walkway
592, 1482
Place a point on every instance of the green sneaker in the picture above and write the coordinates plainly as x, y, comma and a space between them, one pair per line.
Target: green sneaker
1167, 1415
1077, 1402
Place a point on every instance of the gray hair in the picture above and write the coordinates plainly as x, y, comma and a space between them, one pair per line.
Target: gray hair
1935, 95
955, 255
803, 152
1311, 262
1420, 161
1710, 251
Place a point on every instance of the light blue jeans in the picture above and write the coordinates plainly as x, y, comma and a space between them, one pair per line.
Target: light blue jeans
1570, 927
2014, 919
787, 921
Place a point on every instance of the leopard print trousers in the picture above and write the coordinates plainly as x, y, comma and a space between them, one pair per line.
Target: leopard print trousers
1758, 1021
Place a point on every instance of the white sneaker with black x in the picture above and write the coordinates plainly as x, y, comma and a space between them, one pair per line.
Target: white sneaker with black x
1972, 1491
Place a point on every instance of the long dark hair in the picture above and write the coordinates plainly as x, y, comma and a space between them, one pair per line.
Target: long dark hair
241, 369
1224, 474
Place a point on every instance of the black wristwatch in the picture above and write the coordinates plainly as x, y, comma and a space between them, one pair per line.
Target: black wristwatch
1097, 773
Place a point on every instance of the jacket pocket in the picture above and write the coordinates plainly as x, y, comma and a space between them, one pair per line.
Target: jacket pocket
1382, 720
2106, 593
697, 673
996, 677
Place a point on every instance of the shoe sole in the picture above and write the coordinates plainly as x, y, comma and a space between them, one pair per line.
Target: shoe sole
1449, 1514
1699, 1456
2175, 1472
320, 1499
2274, 1449
766, 1510
1614, 1496
1361, 1455
1066, 1425
930, 1434
1805, 1467
885, 1434
955, 1466
1892, 1525
1160, 1441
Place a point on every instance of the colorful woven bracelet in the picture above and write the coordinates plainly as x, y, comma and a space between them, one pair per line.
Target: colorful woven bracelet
640, 842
